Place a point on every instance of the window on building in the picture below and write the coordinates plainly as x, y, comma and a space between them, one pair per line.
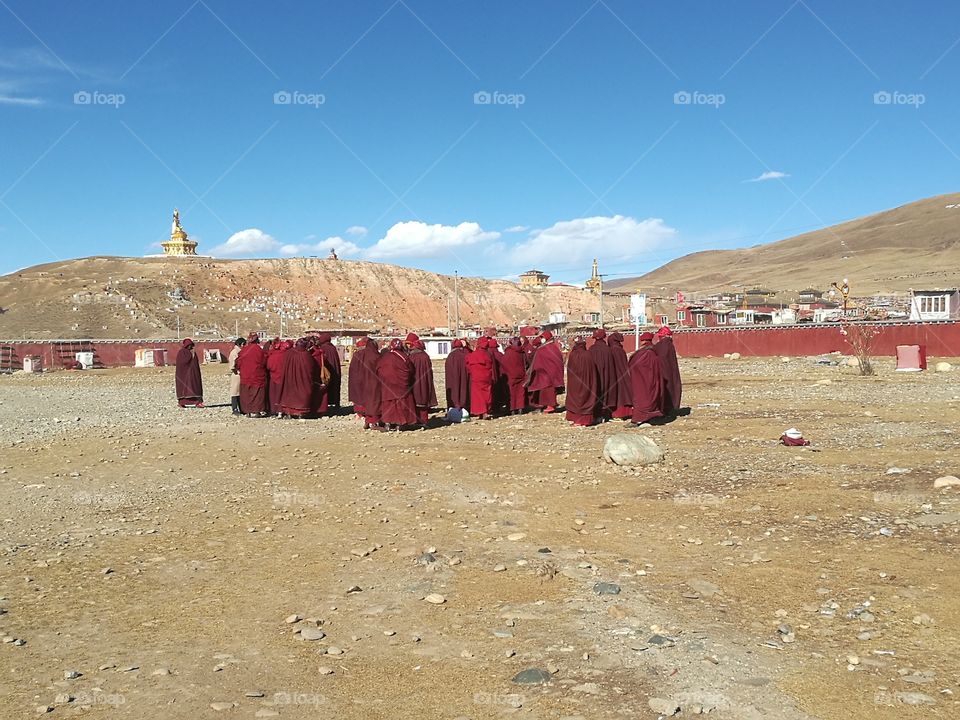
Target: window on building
933, 304
443, 348
721, 319
663, 320
701, 320
681, 315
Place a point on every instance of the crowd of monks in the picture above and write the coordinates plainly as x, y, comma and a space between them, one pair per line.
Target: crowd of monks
392, 388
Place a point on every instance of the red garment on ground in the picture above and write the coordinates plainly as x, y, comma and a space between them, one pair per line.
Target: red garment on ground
673, 387
480, 368
515, 369
424, 392
252, 364
646, 385
300, 383
395, 373
606, 374
456, 380
188, 382
583, 386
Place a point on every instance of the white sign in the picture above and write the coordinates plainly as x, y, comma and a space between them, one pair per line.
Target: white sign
638, 308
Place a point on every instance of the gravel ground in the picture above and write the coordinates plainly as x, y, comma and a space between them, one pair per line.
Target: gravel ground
159, 562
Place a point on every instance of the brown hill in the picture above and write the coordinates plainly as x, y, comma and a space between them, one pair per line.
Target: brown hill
913, 246
113, 297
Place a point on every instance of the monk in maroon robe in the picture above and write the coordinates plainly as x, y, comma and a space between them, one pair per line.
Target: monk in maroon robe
252, 366
545, 376
189, 383
332, 361
455, 376
514, 369
275, 374
672, 385
646, 382
353, 375
480, 368
623, 410
396, 374
300, 381
583, 386
501, 389
424, 391
606, 372
365, 386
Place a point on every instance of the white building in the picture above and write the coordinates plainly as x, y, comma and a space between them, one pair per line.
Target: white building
935, 305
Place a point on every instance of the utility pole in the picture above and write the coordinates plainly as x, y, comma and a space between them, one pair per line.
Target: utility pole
178, 327
601, 300
456, 301
236, 328
281, 324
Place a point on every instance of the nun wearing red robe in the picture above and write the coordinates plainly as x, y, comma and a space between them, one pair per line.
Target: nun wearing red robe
331, 359
275, 374
189, 383
545, 375
606, 373
396, 374
515, 370
424, 391
300, 381
455, 376
624, 404
480, 368
583, 386
646, 382
672, 385
252, 365
353, 376
368, 385
501, 389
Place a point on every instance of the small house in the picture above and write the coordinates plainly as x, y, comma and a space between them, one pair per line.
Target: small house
927, 305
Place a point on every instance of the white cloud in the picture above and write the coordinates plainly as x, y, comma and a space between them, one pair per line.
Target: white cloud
342, 247
517, 229
357, 231
251, 241
574, 241
22, 101
769, 175
415, 239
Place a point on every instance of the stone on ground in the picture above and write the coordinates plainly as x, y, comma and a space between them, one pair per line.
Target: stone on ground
631, 450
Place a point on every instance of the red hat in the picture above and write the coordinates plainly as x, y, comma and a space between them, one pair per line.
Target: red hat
362, 341
546, 335
664, 331
421, 345
599, 334
482, 343
396, 344
187, 342
458, 343
646, 337
412, 338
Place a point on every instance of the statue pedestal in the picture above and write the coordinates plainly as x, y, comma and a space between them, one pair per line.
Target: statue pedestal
179, 244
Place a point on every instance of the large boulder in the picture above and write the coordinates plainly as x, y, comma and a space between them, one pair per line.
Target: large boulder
627, 449
944, 367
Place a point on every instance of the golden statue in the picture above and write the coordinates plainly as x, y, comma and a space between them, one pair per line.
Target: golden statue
179, 243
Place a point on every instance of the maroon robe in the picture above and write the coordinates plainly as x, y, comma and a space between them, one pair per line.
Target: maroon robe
354, 380
672, 386
396, 374
546, 375
189, 383
480, 368
622, 409
456, 380
424, 390
583, 386
515, 371
646, 384
332, 361
367, 385
252, 365
606, 373
300, 382
275, 374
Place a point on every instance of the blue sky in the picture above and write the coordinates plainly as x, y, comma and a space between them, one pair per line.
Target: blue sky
486, 138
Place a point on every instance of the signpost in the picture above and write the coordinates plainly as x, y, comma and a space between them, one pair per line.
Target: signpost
638, 311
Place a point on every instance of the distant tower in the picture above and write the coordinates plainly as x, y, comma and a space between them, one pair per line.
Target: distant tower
178, 244
594, 283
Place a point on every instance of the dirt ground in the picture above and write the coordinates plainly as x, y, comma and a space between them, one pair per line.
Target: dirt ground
158, 553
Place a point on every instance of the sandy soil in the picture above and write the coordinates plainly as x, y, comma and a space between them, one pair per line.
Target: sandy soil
158, 553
